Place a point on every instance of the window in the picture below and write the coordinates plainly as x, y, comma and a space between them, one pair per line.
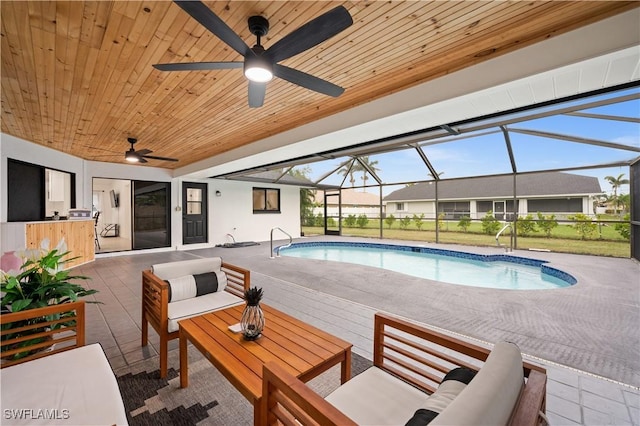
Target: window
35, 192
400, 207
266, 200
556, 205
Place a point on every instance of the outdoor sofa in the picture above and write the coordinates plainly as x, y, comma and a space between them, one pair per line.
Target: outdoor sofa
178, 290
405, 385
61, 381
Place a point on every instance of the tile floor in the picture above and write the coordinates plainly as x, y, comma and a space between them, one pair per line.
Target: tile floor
573, 397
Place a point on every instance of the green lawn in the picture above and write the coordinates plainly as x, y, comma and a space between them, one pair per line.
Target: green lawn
606, 241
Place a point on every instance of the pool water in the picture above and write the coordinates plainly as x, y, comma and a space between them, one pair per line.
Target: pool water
491, 271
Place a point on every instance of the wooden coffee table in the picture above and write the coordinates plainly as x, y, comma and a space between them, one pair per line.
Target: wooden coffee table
305, 351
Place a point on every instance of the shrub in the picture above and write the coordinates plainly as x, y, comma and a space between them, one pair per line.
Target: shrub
362, 220
525, 225
464, 223
405, 222
583, 225
441, 221
490, 224
624, 229
547, 223
350, 221
389, 220
319, 220
418, 221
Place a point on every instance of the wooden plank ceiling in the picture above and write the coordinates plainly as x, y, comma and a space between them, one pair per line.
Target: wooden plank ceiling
78, 77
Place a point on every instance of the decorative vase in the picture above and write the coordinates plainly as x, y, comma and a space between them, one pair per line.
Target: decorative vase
10, 262
252, 322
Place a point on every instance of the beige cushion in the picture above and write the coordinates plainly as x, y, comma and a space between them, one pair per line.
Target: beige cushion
78, 383
165, 271
492, 394
187, 308
377, 398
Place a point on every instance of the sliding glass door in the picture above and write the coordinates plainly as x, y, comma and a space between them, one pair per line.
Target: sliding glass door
151, 214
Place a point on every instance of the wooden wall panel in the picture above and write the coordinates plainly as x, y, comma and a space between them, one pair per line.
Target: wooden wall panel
78, 234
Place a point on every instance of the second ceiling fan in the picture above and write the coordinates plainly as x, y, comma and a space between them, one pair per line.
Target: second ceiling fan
261, 65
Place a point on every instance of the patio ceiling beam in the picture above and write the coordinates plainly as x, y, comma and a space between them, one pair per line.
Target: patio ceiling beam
604, 116
423, 156
507, 141
576, 139
456, 138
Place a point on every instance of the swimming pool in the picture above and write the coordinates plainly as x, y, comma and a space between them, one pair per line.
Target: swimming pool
449, 266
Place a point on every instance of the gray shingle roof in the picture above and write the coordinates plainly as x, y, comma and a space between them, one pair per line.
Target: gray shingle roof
528, 185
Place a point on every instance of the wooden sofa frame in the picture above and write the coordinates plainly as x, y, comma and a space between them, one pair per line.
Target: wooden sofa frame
69, 337
426, 356
155, 302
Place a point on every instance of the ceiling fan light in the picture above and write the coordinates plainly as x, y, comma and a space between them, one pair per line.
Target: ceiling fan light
131, 157
258, 69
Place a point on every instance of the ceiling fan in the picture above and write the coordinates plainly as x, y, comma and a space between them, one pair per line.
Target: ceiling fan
134, 156
261, 65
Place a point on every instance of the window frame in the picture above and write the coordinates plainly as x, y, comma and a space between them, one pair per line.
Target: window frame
265, 192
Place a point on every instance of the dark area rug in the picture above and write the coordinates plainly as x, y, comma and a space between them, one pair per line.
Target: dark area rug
209, 400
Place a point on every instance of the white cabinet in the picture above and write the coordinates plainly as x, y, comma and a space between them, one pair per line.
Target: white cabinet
56, 185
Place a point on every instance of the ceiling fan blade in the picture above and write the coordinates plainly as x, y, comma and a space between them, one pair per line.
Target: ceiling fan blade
153, 157
256, 94
198, 66
201, 13
307, 80
310, 34
143, 152
142, 160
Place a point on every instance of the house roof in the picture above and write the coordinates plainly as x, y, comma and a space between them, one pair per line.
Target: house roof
527, 185
353, 197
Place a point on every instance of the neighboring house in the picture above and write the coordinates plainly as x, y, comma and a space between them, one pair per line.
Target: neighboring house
556, 193
354, 202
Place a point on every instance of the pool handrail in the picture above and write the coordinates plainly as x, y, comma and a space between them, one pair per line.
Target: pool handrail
507, 249
281, 247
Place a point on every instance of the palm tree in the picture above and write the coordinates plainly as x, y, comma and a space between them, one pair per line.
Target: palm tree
615, 184
348, 167
371, 166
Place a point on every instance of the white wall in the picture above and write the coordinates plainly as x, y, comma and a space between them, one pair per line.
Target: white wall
232, 212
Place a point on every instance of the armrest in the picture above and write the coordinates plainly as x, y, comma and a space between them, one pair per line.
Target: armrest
238, 279
532, 400
155, 298
37, 329
419, 355
290, 401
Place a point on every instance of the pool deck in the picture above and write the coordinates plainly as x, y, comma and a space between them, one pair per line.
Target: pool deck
587, 335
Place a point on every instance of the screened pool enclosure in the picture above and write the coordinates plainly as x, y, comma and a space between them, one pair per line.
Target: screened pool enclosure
559, 176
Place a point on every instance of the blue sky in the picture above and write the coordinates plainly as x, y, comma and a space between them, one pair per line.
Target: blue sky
487, 153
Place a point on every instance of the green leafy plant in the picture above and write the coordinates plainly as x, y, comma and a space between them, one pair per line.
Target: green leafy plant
547, 223
389, 220
464, 223
490, 224
253, 296
442, 223
362, 221
40, 282
405, 222
624, 229
418, 220
525, 225
583, 225
350, 221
